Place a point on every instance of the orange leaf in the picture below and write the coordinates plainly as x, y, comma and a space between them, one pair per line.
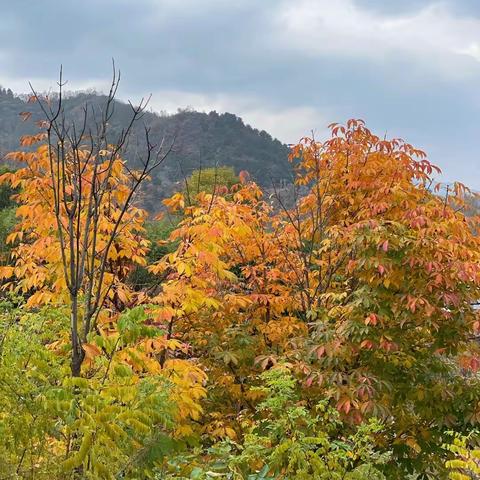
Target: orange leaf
91, 350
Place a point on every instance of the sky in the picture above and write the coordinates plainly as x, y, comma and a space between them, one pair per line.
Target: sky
409, 68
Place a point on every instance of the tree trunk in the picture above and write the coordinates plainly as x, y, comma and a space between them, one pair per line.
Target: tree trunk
77, 352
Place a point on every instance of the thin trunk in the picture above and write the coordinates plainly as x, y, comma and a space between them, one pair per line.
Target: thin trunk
77, 351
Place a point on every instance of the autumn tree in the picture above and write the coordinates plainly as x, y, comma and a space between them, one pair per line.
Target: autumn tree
388, 266
367, 286
87, 373
79, 229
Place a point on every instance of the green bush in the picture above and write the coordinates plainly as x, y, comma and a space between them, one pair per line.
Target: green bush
288, 440
208, 179
111, 424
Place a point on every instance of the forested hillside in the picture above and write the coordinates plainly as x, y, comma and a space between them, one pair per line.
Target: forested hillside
200, 140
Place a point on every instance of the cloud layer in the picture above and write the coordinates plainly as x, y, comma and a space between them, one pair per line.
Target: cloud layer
410, 68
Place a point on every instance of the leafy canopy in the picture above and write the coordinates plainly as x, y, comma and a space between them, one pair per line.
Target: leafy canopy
367, 287
332, 336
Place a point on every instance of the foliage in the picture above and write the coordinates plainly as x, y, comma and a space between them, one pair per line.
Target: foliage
366, 286
466, 451
119, 420
285, 439
333, 337
209, 180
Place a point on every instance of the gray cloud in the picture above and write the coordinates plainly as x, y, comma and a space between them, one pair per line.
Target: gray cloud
409, 68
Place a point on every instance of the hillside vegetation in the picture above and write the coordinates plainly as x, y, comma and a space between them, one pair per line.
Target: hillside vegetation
333, 336
202, 140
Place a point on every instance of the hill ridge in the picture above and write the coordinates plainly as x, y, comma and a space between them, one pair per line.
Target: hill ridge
202, 140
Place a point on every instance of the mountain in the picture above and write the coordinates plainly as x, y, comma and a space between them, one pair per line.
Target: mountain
201, 140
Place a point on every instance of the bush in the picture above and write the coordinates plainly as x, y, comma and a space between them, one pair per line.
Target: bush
109, 424
289, 440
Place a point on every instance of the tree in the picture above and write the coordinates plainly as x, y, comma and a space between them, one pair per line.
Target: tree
79, 228
367, 286
389, 273
209, 180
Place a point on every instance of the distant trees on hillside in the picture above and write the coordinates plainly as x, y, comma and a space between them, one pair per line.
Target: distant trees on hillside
202, 140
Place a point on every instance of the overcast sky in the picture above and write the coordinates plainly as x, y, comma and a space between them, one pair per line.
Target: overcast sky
410, 68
